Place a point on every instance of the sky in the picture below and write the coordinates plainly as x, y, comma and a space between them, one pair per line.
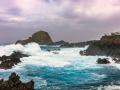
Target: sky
69, 20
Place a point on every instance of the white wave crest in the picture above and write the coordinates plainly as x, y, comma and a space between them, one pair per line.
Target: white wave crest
110, 87
64, 57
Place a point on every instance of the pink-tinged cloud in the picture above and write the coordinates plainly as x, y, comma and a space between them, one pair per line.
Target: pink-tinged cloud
82, 19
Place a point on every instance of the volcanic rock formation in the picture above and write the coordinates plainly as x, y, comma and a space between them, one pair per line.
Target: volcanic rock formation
40, 37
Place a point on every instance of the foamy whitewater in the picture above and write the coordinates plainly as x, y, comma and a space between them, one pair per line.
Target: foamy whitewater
63, 69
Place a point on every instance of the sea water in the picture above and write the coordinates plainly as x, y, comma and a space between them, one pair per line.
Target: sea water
63, 69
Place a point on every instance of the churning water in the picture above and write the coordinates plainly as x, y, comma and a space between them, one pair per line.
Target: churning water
63, 69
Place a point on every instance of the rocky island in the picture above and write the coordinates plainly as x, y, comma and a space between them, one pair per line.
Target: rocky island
40, 37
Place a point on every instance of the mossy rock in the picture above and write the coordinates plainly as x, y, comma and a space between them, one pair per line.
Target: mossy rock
108, 45
40, 37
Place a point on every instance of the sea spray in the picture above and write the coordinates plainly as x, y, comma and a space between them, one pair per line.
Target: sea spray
65, 70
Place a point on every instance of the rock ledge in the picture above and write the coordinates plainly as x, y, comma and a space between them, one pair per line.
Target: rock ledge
14, 83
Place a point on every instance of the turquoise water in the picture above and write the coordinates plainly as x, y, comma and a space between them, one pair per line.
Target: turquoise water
66, 70
47, 78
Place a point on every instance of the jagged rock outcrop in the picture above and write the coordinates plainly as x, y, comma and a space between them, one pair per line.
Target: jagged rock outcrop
103, 61
14, 83
40, 37
79, 44
67, 44
8, 61
108, 45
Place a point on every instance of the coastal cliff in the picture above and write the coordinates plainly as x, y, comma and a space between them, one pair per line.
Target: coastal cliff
40, 37
108, 45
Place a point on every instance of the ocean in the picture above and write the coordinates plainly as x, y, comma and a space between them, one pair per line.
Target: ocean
63, 69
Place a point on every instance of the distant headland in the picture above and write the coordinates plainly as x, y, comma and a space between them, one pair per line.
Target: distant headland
40, 37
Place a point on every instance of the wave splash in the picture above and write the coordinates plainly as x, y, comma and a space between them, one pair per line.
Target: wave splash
60, 58
65, 57
65, 66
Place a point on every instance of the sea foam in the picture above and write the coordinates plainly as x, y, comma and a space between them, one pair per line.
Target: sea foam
67, 64
64, 57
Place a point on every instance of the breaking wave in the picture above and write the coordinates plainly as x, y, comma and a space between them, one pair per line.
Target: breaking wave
63, 69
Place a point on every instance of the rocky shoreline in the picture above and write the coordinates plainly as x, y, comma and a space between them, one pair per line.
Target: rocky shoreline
67, 44
108, 45
7, 62
14, 83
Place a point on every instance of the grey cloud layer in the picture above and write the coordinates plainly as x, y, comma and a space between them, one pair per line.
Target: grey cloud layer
70, 20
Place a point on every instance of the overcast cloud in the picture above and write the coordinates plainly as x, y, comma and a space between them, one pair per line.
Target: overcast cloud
69, 20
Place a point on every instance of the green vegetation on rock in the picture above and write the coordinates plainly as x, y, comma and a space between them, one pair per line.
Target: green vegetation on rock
40, 37
108, 45
113, 39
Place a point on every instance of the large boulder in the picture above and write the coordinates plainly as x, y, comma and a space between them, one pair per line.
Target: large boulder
8, 61
14, 83
103, 61
40, 37
116, 60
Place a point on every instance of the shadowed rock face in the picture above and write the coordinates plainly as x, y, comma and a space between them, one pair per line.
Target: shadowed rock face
103, 61
14, 83
108, 45
40, 37
8, 61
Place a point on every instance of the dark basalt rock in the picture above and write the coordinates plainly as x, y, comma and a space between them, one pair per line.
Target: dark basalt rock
40, 37
116, 60
8, 61
79, 44
14, 83
108, 45
82, 53
103, 61
67, 44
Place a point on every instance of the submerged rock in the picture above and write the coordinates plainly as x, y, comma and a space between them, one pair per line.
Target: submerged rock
103, 61
82, 53
55, 52
40, 37
116, 60
14, 83
8, 61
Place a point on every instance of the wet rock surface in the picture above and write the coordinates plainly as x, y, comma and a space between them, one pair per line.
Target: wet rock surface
14, 83
79, 44
8, 61
116, 60
103, 61
108, 45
